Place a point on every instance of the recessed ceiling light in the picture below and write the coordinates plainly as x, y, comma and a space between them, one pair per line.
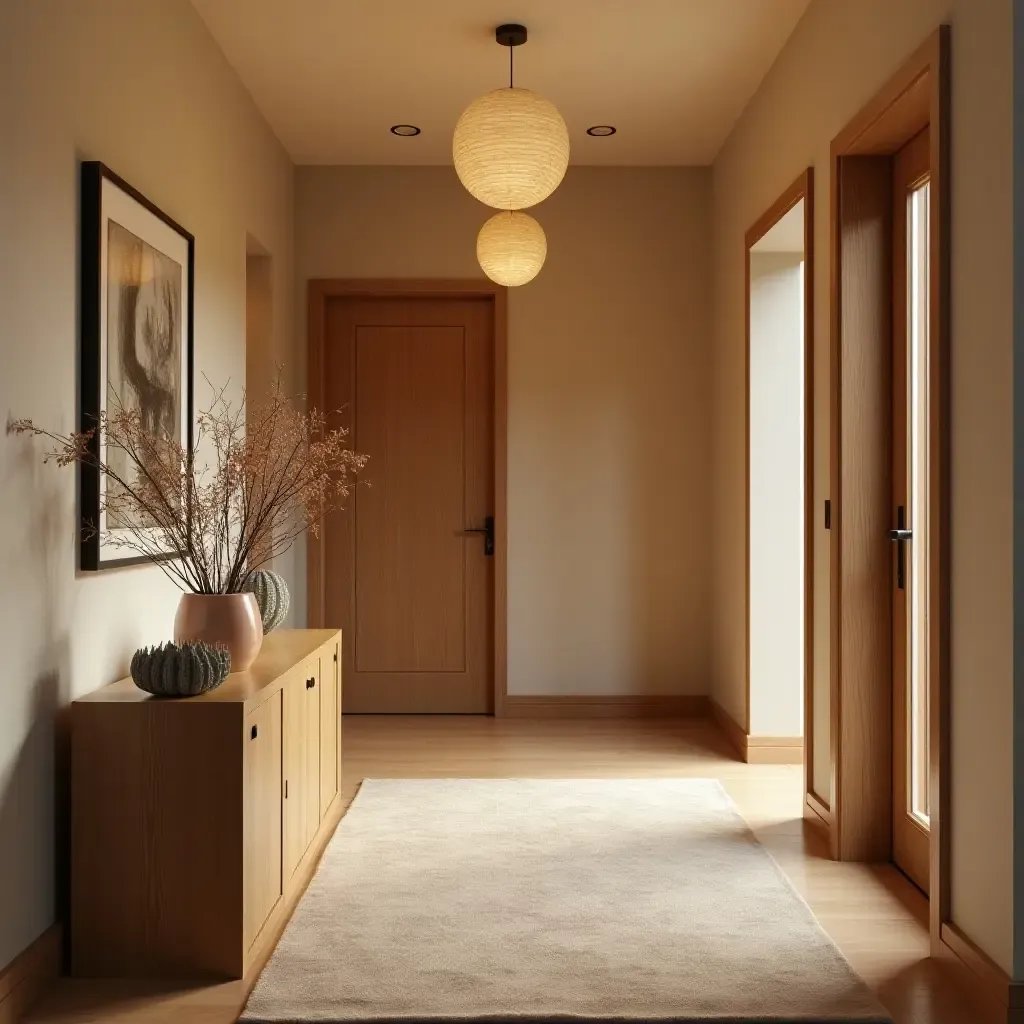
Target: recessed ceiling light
404, 129
600, 130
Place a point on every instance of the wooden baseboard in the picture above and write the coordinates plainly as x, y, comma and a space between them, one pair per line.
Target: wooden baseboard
736, 736
775, 750
612, 706
985, 979
817, 813
30, 974
757, 749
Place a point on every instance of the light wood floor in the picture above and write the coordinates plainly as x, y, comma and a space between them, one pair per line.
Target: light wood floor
876, 917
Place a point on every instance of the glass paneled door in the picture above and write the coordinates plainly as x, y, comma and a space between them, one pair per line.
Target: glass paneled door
909, 533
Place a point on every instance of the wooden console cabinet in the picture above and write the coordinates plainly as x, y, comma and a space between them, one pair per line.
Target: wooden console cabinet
195, 823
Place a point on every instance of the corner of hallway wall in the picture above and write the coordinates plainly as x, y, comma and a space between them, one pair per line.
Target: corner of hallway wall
609, 404
840, 54
144, 88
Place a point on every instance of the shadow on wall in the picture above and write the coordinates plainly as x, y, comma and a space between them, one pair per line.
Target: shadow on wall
34, 844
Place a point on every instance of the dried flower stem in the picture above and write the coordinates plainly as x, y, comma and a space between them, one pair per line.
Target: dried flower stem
272, 472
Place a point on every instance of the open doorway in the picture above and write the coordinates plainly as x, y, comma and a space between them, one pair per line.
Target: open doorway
779, 283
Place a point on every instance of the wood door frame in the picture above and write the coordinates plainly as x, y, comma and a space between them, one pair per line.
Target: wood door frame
801, 190
320, 292
918, 96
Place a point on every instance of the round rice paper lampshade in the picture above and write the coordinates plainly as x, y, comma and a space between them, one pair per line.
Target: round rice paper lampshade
511, 148
511, 248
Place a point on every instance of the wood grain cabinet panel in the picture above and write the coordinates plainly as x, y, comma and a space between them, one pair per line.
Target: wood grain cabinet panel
311, 752
262, 827
296, 836
330, 727
185, 845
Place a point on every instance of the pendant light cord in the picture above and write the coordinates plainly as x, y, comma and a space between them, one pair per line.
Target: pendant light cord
511, 67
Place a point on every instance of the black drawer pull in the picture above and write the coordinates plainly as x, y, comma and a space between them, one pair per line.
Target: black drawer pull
311, 682
253, 734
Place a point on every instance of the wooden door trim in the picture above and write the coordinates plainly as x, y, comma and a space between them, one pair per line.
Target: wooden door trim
916, 97
34, 971
801, 189
320, 292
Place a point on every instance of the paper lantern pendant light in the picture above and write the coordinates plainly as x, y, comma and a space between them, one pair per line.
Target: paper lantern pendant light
511, 248
511, 146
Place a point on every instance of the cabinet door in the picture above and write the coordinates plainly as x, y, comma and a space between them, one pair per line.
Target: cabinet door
330, 726
301, 764
311, 766
262, 816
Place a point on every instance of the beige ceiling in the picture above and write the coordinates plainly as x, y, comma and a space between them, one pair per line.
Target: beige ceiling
332, 76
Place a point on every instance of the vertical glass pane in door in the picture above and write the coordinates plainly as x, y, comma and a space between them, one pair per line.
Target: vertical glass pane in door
917, 433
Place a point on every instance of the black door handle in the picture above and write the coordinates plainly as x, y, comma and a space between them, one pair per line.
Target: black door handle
488, 531
899, 537
311, 682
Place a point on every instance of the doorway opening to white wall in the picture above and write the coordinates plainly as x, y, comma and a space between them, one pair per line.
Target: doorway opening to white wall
779, 446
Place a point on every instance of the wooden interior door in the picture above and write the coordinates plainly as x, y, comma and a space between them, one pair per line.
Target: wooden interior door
262, 816
407, 576
911, 488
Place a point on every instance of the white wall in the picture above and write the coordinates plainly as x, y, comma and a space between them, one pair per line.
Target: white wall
840, 54
144, 88
776, 494
609, 441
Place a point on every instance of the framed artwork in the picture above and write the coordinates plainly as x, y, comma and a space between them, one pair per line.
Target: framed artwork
137, 276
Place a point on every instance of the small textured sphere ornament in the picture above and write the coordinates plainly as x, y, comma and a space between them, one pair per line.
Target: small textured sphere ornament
511, 248
511, 148
180, 670
272, 596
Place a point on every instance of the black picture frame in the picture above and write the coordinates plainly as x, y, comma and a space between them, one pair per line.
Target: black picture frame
96, 197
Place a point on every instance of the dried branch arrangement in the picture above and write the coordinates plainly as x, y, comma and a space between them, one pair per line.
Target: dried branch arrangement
254, 480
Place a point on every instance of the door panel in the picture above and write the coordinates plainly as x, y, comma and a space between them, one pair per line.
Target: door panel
311, 749
410, 556
262, 815
910, 510
330, 725
301, 765
410, 588
294, 695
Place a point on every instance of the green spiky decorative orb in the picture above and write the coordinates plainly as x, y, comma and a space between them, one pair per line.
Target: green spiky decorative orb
272, 596
180, 670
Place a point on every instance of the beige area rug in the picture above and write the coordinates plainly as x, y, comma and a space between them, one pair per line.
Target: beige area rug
530, 900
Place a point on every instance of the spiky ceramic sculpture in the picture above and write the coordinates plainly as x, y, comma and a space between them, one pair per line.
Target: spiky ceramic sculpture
272, 596
180, 670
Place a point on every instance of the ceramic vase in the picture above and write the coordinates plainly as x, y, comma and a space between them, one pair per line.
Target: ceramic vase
232, 620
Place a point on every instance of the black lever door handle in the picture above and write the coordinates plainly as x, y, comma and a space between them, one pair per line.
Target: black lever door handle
899, 537
488, 533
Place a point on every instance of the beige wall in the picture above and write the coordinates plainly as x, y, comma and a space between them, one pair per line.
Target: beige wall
841, 53
144, 88
609, 405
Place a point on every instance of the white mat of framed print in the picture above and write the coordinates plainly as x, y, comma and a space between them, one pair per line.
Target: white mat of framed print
137, 268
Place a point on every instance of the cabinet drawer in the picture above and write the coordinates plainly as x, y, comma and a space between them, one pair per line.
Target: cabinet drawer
262, 884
